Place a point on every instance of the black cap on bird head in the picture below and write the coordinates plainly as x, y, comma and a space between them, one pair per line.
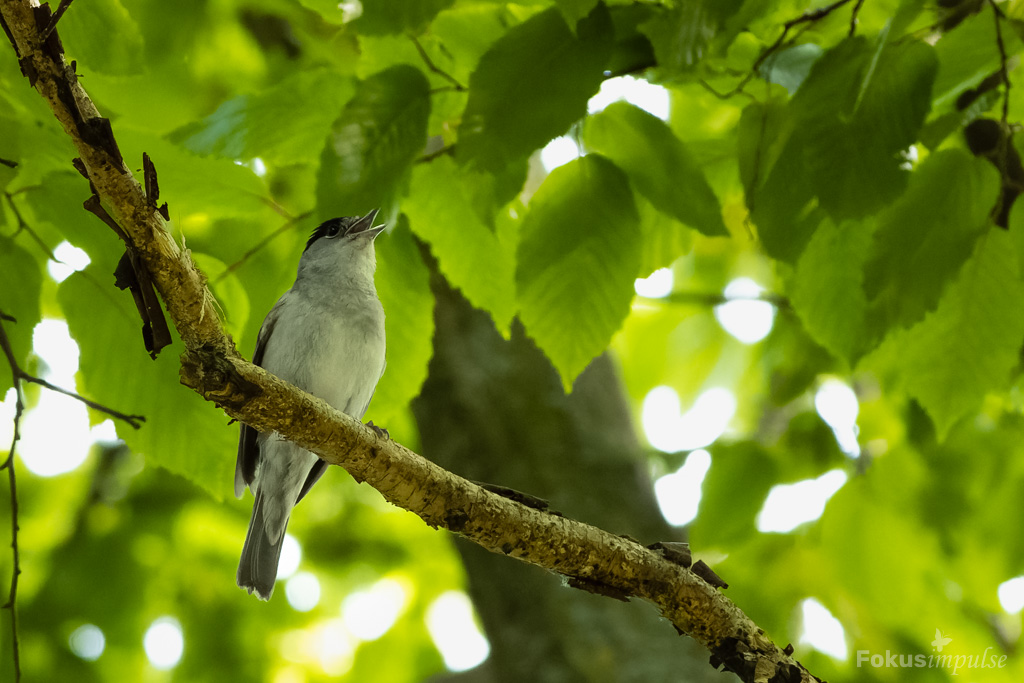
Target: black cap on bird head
347, 226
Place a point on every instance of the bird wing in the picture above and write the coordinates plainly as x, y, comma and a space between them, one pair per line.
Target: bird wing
248, 449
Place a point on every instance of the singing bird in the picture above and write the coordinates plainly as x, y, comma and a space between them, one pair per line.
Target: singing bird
324, 335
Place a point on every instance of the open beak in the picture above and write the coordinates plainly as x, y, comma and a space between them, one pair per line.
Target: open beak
365, 226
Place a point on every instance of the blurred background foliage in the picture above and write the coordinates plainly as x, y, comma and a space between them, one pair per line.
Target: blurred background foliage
794, 231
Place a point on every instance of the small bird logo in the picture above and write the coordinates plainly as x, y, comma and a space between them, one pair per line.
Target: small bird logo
940, 641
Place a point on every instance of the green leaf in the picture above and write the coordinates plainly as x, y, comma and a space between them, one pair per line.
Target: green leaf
681, 35
925, 237
763, 131
382, 130
472, 257
659, 165
31, 138
790, 67
20, 286
782, 204
732, 494
57, 200
330, 10
397, 16
197, 189
967, 54
860, 107
403, 284
516, 105
971, 343
231, 297
379, 53
182, 433
574, 10
276, 124
101, 35
775, 179
1016, 228
664, 239
827, 287
579, 253
906, 12
467, 32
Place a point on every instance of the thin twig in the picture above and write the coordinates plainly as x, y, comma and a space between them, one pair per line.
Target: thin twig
8, 163
433, 67
427, 158
1002, 61
808, 17
277, 208
725, 95
260, 245
134, 420
23, 226
715, 299
19, 409
20, 375
444, 88
61, 9
853, 17
12, 597
755, 179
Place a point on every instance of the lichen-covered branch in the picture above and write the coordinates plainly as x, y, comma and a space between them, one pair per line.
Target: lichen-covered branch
591, 558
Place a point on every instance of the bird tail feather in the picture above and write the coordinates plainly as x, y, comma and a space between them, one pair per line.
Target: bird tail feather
257, 570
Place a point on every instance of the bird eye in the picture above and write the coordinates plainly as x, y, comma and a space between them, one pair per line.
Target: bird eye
333, 228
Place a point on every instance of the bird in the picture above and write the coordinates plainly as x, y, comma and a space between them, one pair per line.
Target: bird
326, 336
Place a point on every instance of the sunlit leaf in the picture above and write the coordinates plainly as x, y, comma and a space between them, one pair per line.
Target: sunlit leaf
87, 36
827, 289
861, 106
197, 189
20, 282
579, 254
659, 165
664, 239
277, 124
232, 299
967, 54
781, 202
468, 31
969, 345
790, 67
925, 237
404, 289
58, 201
397, 16
865, 535
116, 371
732, 494
381, 131
574, 10
680, 34
516, 106
331, 10
472, 257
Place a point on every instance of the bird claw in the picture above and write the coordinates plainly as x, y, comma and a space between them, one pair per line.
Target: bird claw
379, 431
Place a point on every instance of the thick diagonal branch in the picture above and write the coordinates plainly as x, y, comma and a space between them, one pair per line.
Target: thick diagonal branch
589, 556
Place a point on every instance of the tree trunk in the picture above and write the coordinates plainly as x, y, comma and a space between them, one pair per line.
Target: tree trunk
494, 411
